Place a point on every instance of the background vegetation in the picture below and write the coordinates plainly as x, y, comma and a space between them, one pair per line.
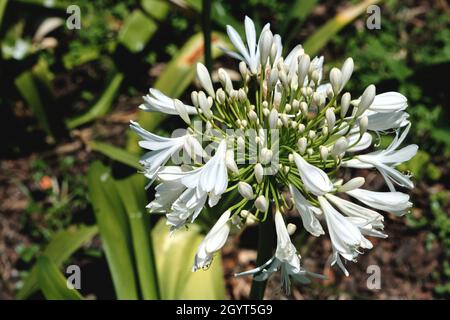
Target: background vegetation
68, 184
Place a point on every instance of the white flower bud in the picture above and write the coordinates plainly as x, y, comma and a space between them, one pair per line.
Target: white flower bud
242, 95
273, 52
291, 158
194, 98
296, 105
310, 151
273, 78
345, 103
265, 45
252, 115
240, 142
225, 80
266, 112
262, 204
246, 190
363, 123
347, 70
340, 146
304, 107
323, 152
352, 184
291, 228
230, 163
315, 76
288, 108
301, 127
259, 172
181, 109
303, 68
366, 100
244, 213
311, 134
273, 119
336, 80
302, 144
325, 131
266, 155
205, 105
205, 79
331, 119
284, 119
294, 124
221, 96
243, 69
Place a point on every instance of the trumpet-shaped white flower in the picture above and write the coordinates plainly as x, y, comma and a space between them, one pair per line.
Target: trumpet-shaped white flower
346, 238
395, 202
161, 149
156, 101
389, 102
386, 160
307, 212
315, 180
211, 178
212, 243
249, 53
285, 259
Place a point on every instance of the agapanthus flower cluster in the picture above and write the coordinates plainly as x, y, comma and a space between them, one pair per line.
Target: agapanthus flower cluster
279, 138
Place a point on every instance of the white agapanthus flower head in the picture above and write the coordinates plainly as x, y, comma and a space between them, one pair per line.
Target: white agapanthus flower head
276, 142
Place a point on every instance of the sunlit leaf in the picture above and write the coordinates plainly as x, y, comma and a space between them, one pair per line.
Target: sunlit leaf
52, 283
321, 37
132, 193
102, 106
136, 31
175, 256
61, 247
112, 221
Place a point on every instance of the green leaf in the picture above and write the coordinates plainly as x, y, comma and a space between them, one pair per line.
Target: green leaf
321, 37
115, 153
158, 9
27, 87
175, 78
52, 283
132, 193
112, 221
61, 247
174, 258
3, 4
102, 106
136, 31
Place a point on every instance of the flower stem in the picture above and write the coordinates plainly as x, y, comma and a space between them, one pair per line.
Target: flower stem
266, 235
206, 24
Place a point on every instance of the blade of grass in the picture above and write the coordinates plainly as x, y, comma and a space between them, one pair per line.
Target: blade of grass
136, 31
321, 37
132, 193
52, 283
3, 4
113, 225
27, 87
61, 247
115, 153
102, 106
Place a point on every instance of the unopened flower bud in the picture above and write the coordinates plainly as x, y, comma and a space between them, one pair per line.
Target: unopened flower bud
363, 123
246, 190
345, 103
340, 146
259, 172
262, 204
366, 100
331, 119
347, 70
230, 163
303, 68
336, 80
291, 228
323, 152
352, 184
273, 119
181, 109
302, 144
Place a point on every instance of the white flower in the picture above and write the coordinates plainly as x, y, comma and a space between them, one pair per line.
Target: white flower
386, 160
156, 101
380, 121
205, 79
307, 212
346, 238
211, 178
315, 180
249, 54
395, 202
213, 242
285, 259
161, 149
188, 205
389, 102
